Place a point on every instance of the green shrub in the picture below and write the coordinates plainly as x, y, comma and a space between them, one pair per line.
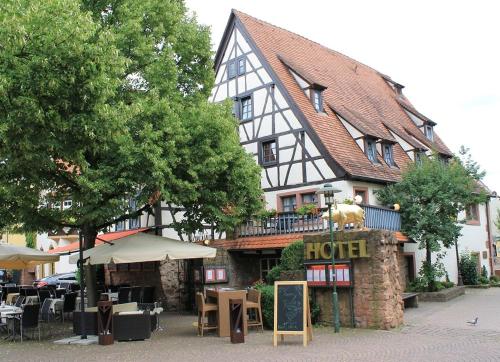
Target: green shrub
468, 269
274, 274
292, 257
267, 303
494, 279
418, 285
448, 284
484, 280
484, 272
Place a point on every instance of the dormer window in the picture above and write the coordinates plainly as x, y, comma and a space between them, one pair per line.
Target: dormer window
317, 99
429, 132
371, 150
387, 153
419, 156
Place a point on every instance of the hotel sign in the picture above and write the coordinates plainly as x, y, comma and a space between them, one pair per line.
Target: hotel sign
349, 249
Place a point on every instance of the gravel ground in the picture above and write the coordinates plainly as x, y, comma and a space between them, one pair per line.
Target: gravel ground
434, 331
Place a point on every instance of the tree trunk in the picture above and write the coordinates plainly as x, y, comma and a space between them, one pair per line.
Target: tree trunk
459, 280
428, 260
89, 235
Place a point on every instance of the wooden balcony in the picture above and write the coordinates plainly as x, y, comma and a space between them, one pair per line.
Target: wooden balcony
290, 222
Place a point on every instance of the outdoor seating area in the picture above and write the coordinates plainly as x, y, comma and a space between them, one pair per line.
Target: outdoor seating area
214, 310
27, 309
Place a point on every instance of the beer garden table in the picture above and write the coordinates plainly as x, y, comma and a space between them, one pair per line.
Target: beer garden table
221, 297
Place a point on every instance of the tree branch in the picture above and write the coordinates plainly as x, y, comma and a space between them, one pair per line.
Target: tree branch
132, 215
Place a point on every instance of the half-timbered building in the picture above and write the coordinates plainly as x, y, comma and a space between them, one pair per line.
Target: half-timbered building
311, 115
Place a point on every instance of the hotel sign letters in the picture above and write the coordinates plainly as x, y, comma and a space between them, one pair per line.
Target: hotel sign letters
349, 249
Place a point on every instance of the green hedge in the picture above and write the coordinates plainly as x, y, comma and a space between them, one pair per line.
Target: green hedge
267, 304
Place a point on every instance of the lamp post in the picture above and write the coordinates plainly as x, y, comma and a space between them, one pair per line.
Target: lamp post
328, 193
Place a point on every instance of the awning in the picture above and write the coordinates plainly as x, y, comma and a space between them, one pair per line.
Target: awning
21, 257
142, 247
102, 238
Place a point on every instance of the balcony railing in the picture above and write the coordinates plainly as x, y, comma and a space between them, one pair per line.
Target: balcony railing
291, 222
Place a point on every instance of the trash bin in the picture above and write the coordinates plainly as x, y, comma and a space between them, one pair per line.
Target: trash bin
236, 321
105, 322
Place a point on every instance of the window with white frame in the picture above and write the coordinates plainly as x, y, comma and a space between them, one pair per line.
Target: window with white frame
388, 156
231, 69
429, 132
289, 203
242, 66
246, 108
371, 150
309, 198
269, 152
67, 204
317, 99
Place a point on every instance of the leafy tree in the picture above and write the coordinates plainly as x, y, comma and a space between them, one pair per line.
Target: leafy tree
106, 101
431, 195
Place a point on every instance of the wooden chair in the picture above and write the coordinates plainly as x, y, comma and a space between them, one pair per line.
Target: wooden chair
203, 310
253, 303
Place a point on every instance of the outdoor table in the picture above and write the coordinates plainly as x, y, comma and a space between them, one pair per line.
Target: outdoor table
221, 298
10, 298
6, 310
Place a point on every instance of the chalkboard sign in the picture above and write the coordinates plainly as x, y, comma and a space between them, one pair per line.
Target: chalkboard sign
290, 307
291, 311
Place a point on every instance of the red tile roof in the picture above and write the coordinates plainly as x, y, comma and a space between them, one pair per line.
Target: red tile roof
354, 90
271, 242
258, 242
74, 246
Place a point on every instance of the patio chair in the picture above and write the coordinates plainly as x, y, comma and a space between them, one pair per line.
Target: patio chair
27, 320
253, 305
124, 295
60, 292
203, 310
135, 294
69, 304
42, 295
46, 314
19, 301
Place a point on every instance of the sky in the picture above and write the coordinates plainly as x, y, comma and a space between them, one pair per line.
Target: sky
445, 53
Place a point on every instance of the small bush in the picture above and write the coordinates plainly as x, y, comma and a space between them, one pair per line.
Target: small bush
448, 284
267, 303
484, 272
484, 280
494, 279
468, 269
274, 274
292, 257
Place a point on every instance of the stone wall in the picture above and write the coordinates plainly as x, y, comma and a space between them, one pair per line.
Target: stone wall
167, 278
377, 295
242, 270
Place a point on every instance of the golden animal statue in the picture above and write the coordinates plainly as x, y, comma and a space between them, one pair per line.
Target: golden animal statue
344, 214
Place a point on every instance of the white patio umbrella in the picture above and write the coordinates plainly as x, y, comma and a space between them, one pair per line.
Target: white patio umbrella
143, 247
20, 257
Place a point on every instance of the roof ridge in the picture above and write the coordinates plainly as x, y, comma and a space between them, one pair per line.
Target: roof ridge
335, 52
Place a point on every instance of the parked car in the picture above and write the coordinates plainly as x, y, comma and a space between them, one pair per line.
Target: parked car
57, 279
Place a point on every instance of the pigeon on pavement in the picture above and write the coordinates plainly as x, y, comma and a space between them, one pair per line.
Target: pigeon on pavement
473, 322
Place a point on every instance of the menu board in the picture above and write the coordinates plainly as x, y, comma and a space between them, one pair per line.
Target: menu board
291, 310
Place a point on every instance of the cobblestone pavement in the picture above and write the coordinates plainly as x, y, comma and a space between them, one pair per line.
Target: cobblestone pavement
433, 332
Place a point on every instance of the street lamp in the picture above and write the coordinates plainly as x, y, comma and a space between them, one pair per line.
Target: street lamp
328, 192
